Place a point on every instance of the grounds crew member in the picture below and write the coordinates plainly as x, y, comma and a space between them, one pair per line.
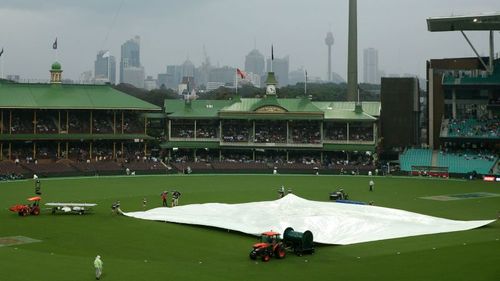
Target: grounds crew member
164, 198
281, 191
38, 187
175, 198
98, 267
115, 207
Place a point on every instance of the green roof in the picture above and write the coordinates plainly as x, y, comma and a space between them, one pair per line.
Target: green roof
154, 115
195, 108
271, 79
68, 96
289, 105
271, 116
346, 110
348, 115
271, 108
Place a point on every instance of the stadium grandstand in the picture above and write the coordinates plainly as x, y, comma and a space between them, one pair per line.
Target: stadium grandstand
66, 129
464, 106
271, 133
469, 130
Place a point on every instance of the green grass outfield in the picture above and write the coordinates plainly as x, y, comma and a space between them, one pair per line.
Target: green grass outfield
134, 249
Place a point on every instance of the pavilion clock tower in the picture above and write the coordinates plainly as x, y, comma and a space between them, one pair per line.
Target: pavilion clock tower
271, 84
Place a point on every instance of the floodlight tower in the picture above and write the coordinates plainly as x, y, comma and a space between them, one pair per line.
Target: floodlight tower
329, 42
352, 55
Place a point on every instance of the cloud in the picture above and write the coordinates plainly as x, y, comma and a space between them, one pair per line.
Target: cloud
172, 30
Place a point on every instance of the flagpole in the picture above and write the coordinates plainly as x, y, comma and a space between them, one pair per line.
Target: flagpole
272, 57
1, 66
236, 81
357, 88
305, 84
1, 63
54, 47
109, 71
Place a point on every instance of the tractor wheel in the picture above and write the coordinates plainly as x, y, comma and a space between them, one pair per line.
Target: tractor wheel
253, 255
36, 211
265, 257
280, 253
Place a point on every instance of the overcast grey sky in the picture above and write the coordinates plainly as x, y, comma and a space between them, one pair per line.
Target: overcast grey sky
172, 30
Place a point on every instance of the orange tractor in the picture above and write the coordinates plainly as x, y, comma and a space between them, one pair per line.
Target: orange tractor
29, 209
269, 246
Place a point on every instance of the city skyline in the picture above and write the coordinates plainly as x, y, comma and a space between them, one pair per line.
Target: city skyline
371, 71
169, 35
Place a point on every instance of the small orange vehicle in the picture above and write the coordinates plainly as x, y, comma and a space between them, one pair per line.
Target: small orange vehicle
269, 246
24, 210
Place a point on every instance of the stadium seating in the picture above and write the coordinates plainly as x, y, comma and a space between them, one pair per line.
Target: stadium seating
83, 167
240, 166
9, 167
195, 166
475, 128
98, 166
45, 168
415, 157
298, 166
144, 166
467, 162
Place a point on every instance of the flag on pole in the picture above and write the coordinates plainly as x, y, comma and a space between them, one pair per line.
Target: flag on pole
1, 52
54, 46
241, 73
305, 83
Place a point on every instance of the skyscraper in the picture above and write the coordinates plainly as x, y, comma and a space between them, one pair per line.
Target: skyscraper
254, 62
225, 74
134, 76
188, 68
281, 67
162, 80
174, 76
370, 66
130, 55
105, 67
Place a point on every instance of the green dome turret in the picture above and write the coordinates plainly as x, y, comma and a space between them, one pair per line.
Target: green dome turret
56, 66
56, 73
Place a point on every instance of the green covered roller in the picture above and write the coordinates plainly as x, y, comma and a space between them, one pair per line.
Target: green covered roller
300, 242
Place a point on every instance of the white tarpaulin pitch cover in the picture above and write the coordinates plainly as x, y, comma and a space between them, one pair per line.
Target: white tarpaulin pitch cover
330, 223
